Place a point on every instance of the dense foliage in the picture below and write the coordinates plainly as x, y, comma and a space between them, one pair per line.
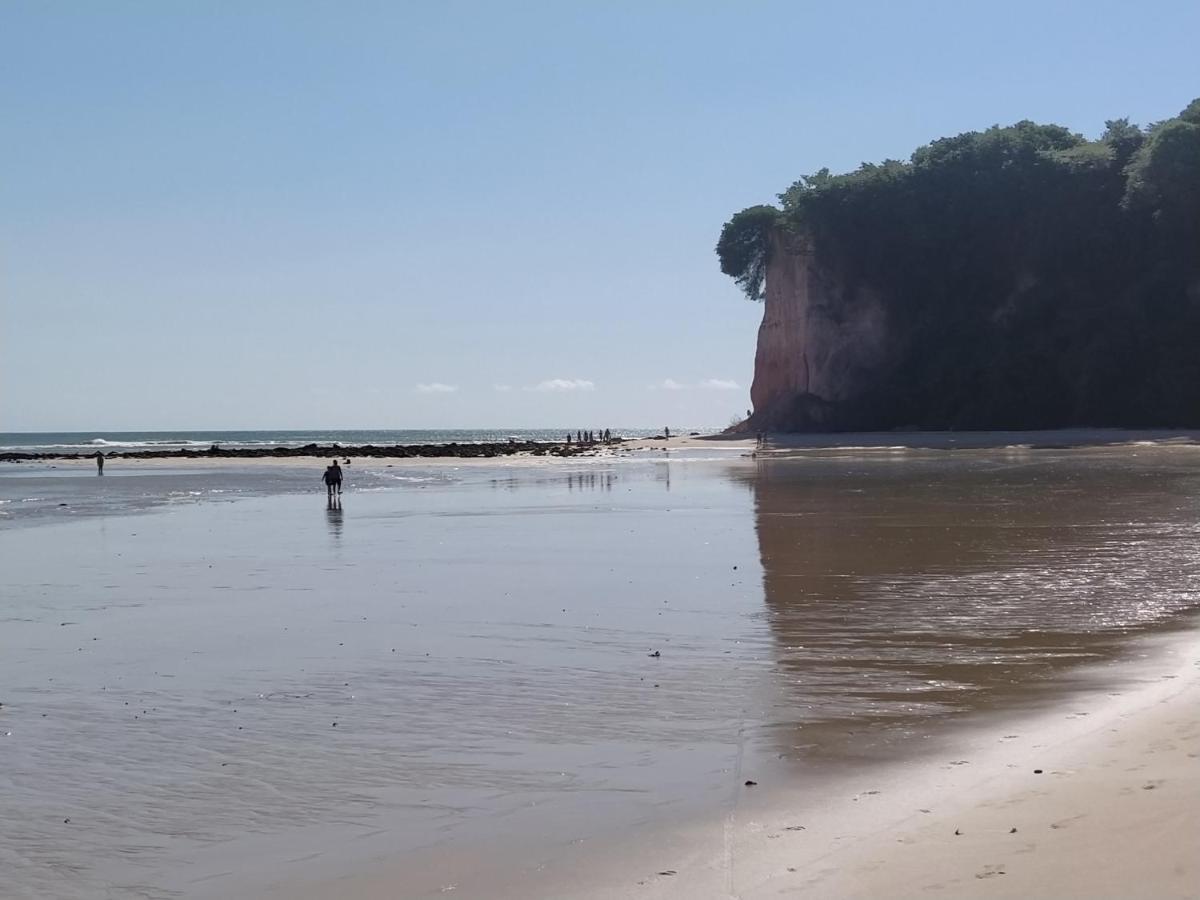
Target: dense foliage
1033, 278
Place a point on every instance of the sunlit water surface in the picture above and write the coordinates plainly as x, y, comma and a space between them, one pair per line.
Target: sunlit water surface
198, 692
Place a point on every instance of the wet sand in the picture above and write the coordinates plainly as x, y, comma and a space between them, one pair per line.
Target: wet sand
1097, 799
450, 683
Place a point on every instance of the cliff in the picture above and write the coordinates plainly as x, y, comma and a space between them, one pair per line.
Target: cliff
821, 340
1019, 277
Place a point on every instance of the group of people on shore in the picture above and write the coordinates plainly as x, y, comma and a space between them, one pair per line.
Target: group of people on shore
590, 437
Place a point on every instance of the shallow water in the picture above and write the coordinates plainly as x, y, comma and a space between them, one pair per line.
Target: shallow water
481, 636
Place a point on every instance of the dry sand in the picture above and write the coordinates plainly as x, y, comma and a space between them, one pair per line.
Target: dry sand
1114, 812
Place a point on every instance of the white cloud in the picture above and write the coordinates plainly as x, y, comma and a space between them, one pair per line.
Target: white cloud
563, 384
436, 387
502, 388
709, 384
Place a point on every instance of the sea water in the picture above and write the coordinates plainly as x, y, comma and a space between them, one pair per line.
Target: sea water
127, 441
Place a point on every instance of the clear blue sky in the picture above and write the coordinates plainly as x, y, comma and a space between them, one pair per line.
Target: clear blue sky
292, 214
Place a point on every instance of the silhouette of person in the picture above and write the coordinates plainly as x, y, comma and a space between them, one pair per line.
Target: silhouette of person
667, 433
99, 463
333, 480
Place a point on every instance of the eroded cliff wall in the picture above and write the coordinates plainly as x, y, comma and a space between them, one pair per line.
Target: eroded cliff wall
821, 341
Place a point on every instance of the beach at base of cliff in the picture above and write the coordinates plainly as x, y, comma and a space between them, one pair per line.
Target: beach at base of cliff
658, 673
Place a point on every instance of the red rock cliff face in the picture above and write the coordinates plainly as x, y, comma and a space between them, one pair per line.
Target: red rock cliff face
819, 343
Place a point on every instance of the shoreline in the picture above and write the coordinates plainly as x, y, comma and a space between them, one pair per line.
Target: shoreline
482, 450
449, 455
776, 444
1083, 799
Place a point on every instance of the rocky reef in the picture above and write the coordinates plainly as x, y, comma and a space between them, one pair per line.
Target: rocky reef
395, 451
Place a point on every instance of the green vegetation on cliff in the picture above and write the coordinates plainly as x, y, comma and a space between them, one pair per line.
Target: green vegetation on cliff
1032, 278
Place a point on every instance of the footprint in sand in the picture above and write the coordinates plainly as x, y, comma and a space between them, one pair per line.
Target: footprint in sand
1152, 784
1067, 822
991, 871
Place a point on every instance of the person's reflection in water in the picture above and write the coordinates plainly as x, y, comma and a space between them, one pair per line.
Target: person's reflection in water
333, 515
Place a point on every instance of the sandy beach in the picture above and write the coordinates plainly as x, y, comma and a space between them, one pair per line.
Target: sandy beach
1097, 798
227, 688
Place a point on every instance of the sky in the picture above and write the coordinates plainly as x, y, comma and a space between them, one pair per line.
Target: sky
448, 214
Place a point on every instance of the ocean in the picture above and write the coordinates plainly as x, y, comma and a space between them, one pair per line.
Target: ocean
90, 441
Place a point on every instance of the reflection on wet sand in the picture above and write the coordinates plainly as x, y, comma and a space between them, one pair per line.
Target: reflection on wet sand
896, 593
333, 516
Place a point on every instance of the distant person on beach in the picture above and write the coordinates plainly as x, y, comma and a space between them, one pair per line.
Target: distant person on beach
667, 433
333, 480
99, 463
760, 441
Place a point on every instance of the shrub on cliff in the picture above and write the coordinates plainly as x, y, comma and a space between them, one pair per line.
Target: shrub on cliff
1033, 278
744, 247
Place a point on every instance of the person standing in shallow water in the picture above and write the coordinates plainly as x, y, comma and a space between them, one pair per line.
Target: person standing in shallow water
332, 479
99, 462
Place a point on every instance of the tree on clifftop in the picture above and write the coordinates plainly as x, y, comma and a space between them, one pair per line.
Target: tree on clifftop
744, 247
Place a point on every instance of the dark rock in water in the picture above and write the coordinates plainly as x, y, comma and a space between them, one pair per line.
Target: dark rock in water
750, 783
655, 655
369, 451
